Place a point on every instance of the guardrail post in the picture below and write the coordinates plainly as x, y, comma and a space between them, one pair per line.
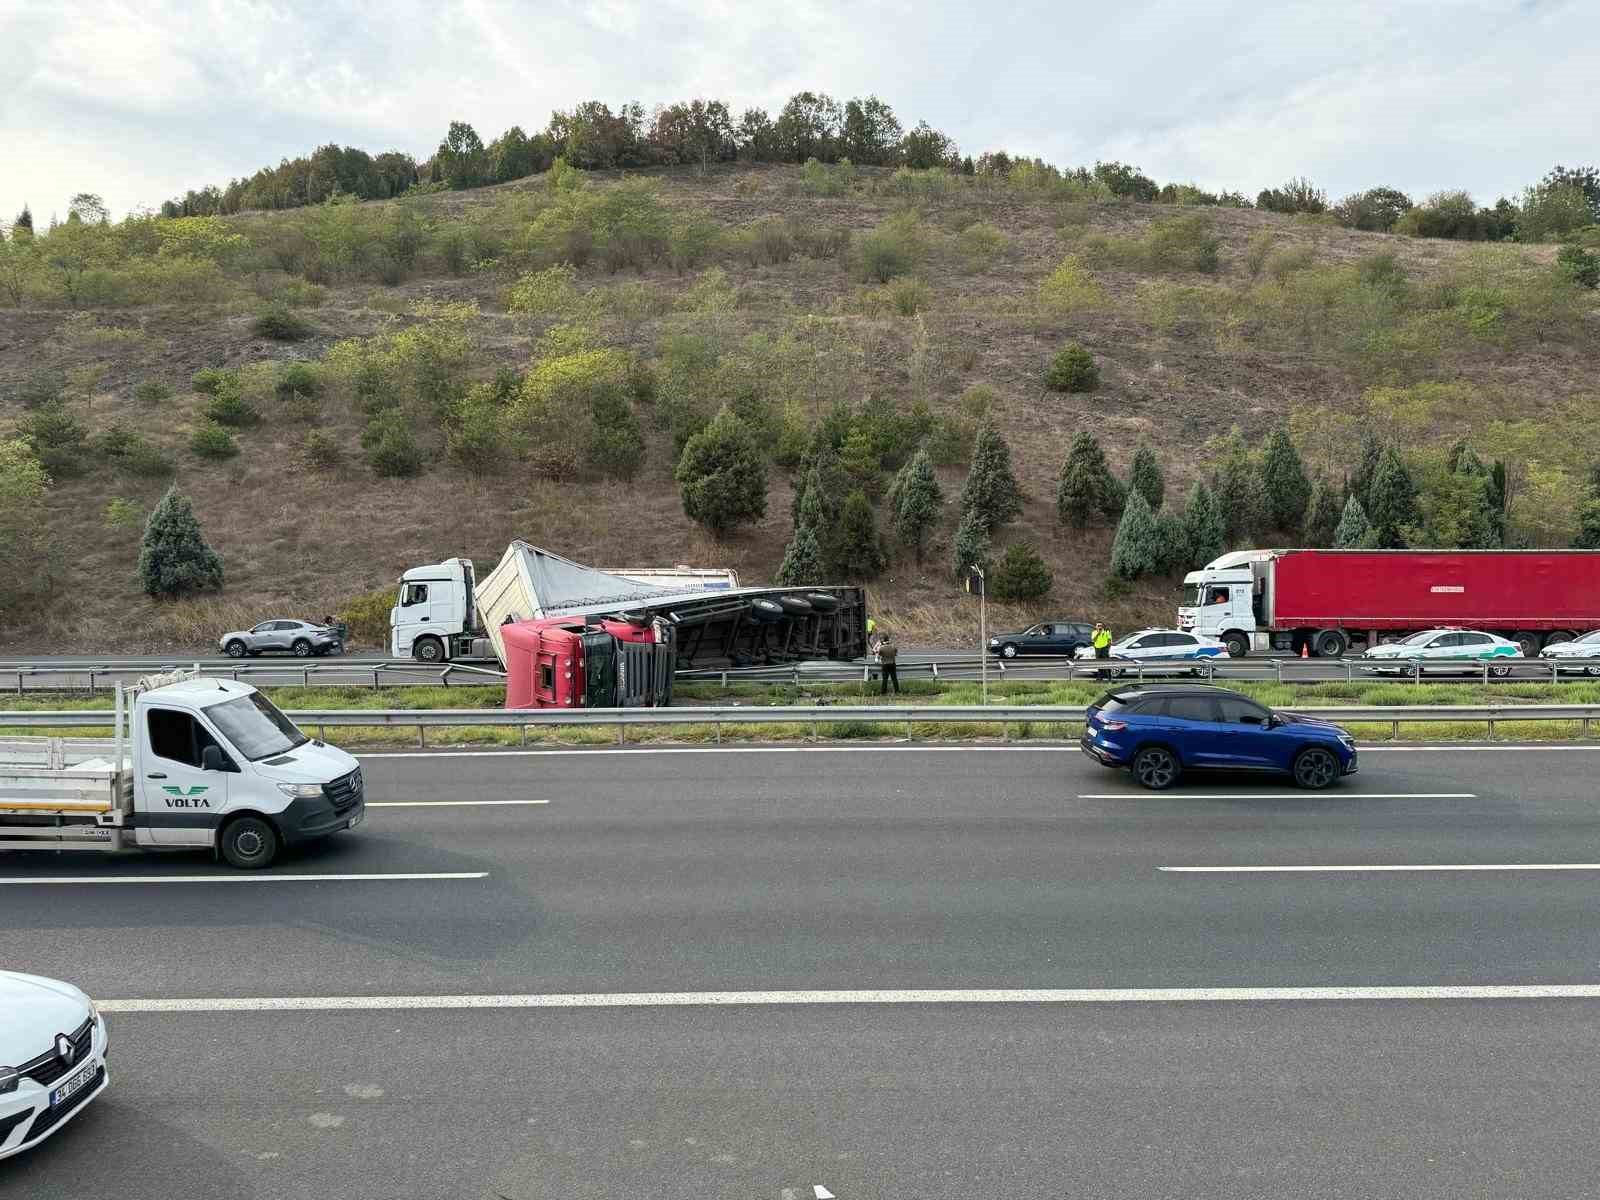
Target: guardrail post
374, 678
724, 681
19, 683
1349, 671
1553, 678
91, 679
422, 737
1277, 664
1394, 732
716, 726
936, 670
622, 734
1486, 672
305, 676
1491, 728
322, 734
524, 735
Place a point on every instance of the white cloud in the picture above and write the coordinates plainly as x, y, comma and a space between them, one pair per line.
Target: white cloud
142, 100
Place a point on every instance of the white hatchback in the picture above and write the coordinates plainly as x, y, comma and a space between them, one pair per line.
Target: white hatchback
52, 1058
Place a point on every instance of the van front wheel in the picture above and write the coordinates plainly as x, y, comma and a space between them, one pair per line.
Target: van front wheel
249, 843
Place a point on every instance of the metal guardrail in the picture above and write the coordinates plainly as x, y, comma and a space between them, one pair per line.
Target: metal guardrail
107, 674
909, 715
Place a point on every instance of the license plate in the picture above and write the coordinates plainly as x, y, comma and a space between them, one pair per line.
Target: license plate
355, 820
73, 1086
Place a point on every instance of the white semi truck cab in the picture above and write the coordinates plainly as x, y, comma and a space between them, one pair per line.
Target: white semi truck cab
194, 763
1219, 601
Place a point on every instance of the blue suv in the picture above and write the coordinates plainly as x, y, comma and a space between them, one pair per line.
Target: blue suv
1161, 732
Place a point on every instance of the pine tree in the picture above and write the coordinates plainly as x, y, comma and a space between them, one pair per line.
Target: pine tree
1588, 527
1354, 531
1137, 550
1240, 497
1283, 478
1145, 477
24, 221
917, 499
1086, 487
1021, 575
1204, 531
802, 560
174, 558
991, 490
972, 547
860, 552
1392, 503
1322, 515
821, 476
722, 475
1360, 485
1172, 535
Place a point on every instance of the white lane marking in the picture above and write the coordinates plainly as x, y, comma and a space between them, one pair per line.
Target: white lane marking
448, 803
1525, 991
243, 878
951, 749
959, 748
820, 1192
1384, 867
1289, 795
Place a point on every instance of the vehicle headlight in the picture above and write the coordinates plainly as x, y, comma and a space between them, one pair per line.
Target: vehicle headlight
9, 1078
994, 641
301, 791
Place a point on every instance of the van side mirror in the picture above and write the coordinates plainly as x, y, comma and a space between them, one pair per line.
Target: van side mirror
211, 759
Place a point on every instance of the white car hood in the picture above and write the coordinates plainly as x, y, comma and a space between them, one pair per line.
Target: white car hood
1393, 650
32, 1011
311, 762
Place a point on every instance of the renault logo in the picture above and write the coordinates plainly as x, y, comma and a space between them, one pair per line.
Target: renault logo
65, 1050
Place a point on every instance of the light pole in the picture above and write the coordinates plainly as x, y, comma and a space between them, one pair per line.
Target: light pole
975, 583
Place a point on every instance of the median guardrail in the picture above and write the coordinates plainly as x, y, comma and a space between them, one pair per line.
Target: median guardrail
381, 674
717, 716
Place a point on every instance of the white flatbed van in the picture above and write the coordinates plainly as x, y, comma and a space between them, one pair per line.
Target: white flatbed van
195, 762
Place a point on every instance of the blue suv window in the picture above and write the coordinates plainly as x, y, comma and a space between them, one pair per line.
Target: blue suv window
1192, 708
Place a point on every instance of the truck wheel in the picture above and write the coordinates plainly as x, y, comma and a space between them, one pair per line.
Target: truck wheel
428, 649
1529, 643
302, 648
1329, 643
1238, 645
1560, 635
1315, 769
249, 843
236, 649
1156, 768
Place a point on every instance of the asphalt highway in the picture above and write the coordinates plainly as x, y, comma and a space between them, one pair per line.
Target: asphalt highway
480, 993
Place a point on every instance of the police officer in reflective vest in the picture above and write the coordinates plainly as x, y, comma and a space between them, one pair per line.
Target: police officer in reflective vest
1101, 641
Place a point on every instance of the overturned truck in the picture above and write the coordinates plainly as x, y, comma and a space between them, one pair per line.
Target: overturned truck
573, 636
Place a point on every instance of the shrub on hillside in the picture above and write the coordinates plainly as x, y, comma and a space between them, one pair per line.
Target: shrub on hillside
41, 387
1072, 370
822, 180
552, 291
1579, 265
982, 244
297, 380
207, 380
210, 440
1070, 289
1174, 244
692, 240
228, 406
367, 617
174, 559
123, 514
58, 439
321, 449
391, 445
1021, 575
281, 323
722, 476
476, 437
894, 247
151, 391
616, 444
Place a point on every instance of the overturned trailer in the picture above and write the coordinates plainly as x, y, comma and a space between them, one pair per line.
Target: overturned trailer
445, 611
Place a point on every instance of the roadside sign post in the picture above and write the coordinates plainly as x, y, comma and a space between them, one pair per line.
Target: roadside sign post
976, 586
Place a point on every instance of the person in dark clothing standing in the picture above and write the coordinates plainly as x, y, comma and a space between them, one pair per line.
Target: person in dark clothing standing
887, 652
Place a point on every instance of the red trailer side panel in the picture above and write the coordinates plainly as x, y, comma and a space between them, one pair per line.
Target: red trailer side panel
1415, 589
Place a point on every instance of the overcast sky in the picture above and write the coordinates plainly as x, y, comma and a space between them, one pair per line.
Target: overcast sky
139, 101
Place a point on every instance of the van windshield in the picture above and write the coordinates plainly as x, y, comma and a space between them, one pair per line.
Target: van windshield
256, 726
1191, 595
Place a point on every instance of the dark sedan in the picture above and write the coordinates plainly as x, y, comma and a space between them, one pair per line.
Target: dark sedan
1047, 637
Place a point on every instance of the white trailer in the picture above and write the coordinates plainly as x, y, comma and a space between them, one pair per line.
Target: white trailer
193, 763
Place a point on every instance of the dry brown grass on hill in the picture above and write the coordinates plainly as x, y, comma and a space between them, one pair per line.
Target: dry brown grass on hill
1183, 356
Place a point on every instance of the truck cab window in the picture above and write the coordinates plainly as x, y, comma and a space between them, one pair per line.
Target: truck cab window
547, 678
416, 593
1218, 596
178, 737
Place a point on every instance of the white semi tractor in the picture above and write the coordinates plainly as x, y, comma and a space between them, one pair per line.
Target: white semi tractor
194, 763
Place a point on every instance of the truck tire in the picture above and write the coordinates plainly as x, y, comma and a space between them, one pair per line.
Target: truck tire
1560, 635
236, 649
1329, 643
1237, 643
248, 843
1528, 641
302, 648
428, 650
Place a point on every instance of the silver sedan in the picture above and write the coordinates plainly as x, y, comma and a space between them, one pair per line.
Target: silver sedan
300, 638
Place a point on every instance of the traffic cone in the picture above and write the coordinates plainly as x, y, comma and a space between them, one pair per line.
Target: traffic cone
1305, 651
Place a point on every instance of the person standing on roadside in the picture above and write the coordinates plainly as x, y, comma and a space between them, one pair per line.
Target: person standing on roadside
1101, 641
887, 653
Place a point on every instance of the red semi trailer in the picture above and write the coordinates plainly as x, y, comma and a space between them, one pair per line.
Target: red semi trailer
1329, 600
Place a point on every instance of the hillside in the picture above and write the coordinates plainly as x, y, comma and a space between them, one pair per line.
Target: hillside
781, 290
